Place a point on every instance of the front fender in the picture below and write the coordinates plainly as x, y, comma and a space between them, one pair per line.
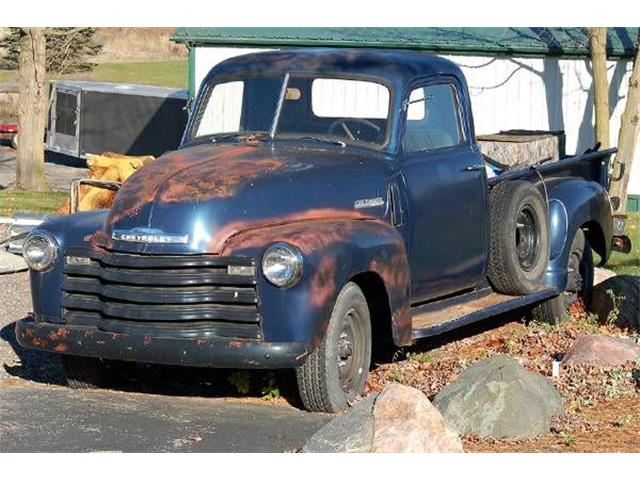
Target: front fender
334, 252
576, 203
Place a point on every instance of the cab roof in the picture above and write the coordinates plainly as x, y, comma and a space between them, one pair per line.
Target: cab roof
389, 66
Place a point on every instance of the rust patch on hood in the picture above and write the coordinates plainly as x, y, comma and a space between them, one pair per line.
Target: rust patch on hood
217, 180
194, 173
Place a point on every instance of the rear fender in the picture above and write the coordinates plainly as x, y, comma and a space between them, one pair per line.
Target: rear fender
334, 251
575, 203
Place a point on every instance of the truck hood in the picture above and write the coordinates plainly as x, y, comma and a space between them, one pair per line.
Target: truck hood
192, 200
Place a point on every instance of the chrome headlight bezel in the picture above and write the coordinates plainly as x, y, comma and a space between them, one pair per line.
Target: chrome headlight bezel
282, 254
49, 246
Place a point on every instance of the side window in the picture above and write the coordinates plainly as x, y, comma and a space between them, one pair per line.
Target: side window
433, 119
222, 113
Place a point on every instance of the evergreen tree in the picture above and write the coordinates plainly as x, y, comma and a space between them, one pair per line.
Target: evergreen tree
68, 49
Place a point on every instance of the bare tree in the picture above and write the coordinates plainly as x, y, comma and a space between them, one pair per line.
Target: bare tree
32, 110
628, 136
38, 50
598, 47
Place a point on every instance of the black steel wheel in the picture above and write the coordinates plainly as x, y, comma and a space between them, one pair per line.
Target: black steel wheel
334, 375
519, 238
527, 234
86, 372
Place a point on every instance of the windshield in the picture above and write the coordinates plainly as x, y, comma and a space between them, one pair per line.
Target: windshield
289, 106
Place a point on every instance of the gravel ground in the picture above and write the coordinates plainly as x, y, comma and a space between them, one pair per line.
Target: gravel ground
58, 175
15, 361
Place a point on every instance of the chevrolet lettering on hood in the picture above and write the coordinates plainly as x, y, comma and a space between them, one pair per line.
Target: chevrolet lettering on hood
150, 236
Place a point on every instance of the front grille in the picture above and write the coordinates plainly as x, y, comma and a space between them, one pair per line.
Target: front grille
161, 295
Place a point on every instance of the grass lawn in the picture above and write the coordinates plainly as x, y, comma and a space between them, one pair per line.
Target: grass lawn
166, 73
628, 264
12, 201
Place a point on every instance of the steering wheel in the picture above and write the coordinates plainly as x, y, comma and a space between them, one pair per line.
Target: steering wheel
342, 122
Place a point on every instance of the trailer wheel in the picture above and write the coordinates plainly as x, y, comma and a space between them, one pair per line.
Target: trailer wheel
334, 375
519, 243
86, 372
579, 284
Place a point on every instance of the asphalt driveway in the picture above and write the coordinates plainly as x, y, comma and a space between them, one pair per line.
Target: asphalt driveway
57, 419
157, 409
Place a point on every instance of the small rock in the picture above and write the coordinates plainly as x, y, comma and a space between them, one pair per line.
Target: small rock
406, 421
499, 398
602, 350
10, 263
602, 274
350, 432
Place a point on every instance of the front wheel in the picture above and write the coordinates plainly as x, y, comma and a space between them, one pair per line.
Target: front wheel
86, 372
334, 375
579, 284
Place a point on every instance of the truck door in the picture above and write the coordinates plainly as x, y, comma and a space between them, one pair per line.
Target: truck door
446, 193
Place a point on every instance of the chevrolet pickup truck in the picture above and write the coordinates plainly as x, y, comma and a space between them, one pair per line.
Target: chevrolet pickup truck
322, 202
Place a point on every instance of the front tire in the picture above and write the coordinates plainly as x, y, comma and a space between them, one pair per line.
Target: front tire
555, 311
86, 373
334, 375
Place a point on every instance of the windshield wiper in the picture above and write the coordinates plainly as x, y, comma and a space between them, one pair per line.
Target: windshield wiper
323, 140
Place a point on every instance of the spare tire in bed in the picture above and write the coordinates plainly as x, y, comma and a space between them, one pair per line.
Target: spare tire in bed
519, 243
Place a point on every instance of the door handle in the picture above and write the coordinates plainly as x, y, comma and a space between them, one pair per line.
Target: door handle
474, 168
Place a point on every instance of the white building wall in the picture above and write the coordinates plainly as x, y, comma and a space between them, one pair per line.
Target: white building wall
518, 93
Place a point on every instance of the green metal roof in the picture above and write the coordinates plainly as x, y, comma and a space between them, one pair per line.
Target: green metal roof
566, 42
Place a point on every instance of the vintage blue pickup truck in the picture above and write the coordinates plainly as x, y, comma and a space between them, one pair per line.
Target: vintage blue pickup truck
321, 202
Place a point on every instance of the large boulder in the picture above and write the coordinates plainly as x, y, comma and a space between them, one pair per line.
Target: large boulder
499, 398
400, 419
351, 432
617, 300
602, 350
406, 421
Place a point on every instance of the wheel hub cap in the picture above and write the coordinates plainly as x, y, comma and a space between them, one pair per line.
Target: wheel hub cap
527, 234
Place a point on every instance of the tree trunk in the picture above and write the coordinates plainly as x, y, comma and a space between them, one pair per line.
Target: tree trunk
598, 45
628, 136
32, 110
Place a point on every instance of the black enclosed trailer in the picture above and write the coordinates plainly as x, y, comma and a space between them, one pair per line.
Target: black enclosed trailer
95, 117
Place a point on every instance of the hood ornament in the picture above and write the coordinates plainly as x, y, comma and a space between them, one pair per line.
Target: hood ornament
149, 235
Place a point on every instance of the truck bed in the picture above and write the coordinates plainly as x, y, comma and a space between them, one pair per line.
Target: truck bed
592, 166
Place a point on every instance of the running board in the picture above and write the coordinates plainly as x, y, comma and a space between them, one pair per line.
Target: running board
441, 316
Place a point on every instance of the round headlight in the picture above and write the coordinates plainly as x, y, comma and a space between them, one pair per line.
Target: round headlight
40, 250
282, 265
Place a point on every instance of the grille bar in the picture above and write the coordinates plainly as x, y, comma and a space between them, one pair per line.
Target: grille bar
168, 312
161, 295
131, 260
160, 277
168, 330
